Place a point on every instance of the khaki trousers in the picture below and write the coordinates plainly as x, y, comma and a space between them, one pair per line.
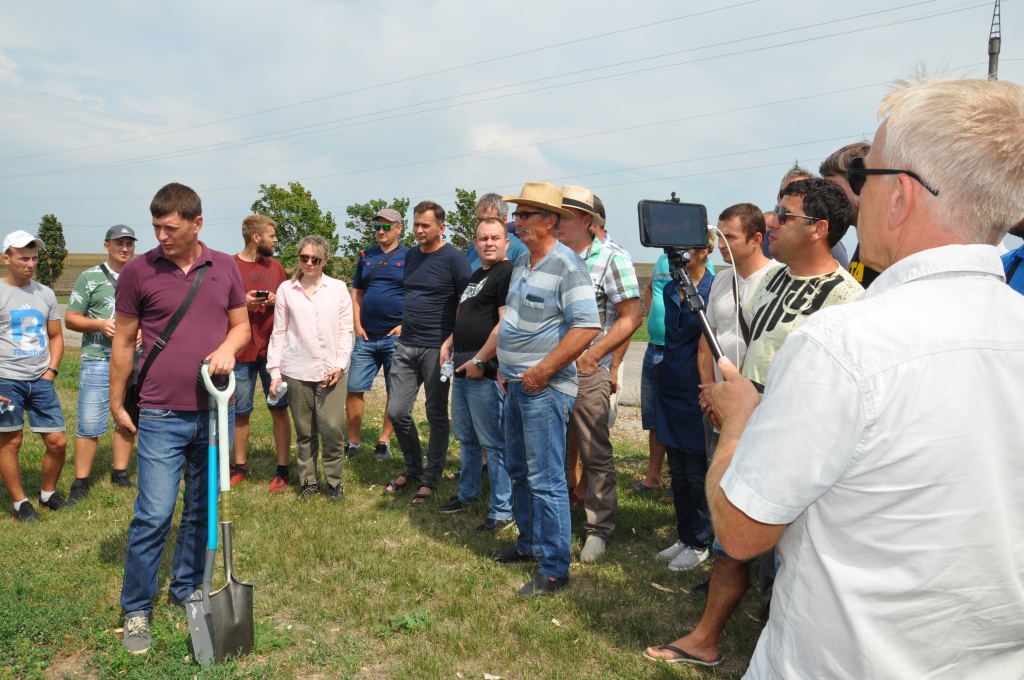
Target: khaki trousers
589, 422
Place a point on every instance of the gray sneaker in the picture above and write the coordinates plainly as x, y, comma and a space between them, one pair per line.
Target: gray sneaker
688, 559
194, 596
137, 637
382, 451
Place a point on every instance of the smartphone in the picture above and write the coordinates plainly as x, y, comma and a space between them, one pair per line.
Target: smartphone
261, 294
667, 224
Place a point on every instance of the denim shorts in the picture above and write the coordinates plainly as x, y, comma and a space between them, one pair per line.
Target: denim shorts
649, 385
368, 356
93, 398
245, 386
39, 398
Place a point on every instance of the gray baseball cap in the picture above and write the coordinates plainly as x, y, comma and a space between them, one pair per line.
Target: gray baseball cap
120, 231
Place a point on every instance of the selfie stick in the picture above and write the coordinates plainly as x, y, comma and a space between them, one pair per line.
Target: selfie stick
677, 259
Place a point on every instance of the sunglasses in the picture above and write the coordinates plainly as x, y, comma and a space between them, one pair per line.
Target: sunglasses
783, 214
524, 214
857, 175
310, 259
387, 226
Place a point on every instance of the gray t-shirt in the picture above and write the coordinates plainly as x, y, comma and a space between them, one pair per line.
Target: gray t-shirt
24, 341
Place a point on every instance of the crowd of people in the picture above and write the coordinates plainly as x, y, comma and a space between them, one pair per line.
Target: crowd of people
831, 450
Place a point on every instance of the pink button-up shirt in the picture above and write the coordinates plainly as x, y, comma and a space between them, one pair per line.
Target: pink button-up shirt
312, 334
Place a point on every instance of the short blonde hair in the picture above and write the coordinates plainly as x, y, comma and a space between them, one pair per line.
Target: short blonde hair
966, 139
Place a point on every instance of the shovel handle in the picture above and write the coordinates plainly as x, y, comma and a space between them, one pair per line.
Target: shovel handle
221, 397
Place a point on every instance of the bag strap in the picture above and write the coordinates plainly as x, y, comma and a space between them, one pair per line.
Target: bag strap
161, 342
366, 281
743, 322
106, 272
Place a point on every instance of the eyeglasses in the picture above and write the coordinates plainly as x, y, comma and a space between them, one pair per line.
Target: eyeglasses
310, 259
783, 214
857, 175
386, 226
525, 214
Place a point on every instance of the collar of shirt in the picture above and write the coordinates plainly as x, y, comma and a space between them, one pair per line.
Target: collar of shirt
297, 283
944, 261
157, 254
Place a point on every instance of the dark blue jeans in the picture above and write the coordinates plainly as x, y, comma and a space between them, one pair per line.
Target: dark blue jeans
688, 469
171, 444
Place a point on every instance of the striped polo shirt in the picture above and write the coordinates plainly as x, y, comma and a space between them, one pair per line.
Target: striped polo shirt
543, 304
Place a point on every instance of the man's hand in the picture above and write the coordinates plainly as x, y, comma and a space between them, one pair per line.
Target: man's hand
446, 352
534, 380
396, 331
222, 361
108, 328
253, 302
122, 421
502, 385
586, 364
733, 398
271, 299
471, 371
360, 333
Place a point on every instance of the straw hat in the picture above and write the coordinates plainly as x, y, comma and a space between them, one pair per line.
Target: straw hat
540, 195
580, 198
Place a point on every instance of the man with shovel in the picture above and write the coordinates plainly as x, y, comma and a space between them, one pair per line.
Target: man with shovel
173, 416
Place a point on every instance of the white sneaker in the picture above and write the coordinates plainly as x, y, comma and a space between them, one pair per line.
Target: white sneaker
669, 553
688, 559
592, 549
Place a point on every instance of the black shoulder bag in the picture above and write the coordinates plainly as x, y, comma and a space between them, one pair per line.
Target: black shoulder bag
133, 390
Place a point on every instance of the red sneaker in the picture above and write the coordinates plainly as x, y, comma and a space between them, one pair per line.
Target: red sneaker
238, 474
279, 483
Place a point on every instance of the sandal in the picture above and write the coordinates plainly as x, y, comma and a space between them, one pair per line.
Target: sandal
393, 487
420, 499
640, 487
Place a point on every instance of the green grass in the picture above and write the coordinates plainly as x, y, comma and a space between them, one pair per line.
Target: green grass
364, 588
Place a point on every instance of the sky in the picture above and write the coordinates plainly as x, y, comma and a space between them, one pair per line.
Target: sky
102, 103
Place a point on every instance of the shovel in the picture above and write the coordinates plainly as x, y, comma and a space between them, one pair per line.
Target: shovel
231, 606
200, 620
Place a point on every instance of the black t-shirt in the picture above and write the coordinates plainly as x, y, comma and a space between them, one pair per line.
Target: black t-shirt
864, 275
483, 297
433, 284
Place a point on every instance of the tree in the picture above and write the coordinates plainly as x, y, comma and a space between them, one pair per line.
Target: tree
297, 215
51, 258
461, 228
362, 232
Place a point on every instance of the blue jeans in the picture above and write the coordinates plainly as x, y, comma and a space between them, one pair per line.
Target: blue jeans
688, 470
368, 357
535, 456
245, 386
171, 443
478, 422
93, 398
649, 385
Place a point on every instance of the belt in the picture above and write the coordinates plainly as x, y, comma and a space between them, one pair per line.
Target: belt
661, 347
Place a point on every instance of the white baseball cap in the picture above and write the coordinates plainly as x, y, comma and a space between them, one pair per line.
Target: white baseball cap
20, 239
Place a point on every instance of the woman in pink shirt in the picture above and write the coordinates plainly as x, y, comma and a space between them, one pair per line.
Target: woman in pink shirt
309, 349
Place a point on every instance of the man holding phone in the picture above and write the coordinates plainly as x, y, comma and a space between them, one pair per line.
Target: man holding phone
261, 275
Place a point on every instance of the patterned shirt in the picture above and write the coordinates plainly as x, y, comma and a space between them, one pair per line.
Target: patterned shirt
544, 303
781, 303
614, 281
93, 297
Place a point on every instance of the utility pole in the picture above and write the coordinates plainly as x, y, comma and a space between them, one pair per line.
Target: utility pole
993, 46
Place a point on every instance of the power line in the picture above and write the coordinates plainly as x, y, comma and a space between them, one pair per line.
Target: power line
369, 88
283, 134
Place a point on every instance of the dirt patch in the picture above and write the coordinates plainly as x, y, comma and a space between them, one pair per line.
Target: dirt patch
74, 666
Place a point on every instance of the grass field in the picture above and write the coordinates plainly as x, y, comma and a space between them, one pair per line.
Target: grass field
365, 588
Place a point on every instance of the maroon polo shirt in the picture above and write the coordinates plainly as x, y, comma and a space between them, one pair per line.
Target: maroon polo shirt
151, 288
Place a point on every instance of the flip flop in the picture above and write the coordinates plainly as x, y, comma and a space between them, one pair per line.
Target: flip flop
640, 487
684, 657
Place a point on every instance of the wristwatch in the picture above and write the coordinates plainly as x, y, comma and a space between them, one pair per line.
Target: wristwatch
479, 364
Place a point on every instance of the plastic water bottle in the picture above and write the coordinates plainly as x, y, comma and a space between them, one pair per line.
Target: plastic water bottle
447, 370
6, 406
282, 389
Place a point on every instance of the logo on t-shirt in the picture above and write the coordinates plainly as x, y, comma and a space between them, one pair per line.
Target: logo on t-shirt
473, 289
28, 328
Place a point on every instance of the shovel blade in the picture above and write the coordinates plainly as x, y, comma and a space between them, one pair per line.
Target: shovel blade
231, 608
200, 626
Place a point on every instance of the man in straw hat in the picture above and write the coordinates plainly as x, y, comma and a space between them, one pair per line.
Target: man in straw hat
550, 318
897, 507
618, 301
